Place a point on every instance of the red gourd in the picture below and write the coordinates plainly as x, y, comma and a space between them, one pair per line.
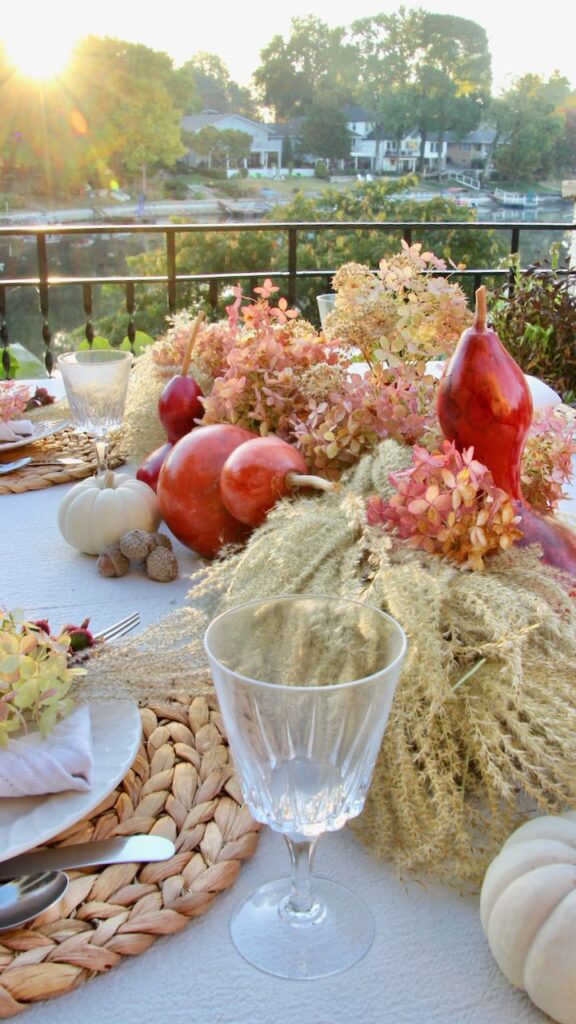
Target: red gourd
179, 405
260, 472
149, 471
484, 402
189, 489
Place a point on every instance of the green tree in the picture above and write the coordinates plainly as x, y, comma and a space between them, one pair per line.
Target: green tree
219, 146
123, 91
565, 152
527, 121
43, 135
324, 132
444, 59
395, 114
213, 89
252, 252
315, 60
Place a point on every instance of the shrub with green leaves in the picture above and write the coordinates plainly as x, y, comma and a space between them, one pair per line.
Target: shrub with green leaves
534, 314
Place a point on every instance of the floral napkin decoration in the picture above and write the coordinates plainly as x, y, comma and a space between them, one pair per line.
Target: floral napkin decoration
37, 674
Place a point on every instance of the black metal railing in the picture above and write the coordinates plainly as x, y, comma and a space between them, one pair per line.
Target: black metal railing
44, 281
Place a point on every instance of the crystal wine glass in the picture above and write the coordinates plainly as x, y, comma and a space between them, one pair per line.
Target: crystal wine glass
305, 684
96, 383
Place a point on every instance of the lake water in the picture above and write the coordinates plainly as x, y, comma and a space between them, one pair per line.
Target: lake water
106, 255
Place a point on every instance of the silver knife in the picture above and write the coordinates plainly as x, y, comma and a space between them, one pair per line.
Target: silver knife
135, 849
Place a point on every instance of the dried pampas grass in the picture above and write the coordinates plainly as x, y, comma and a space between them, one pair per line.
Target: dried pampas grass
483, 726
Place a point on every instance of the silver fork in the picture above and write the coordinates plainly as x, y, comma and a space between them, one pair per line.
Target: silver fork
119, 628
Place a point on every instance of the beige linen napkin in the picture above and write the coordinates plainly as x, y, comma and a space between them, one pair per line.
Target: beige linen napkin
31, 765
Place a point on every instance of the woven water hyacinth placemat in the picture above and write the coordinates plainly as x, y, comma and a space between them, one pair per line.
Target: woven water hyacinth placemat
181, 786
45, 470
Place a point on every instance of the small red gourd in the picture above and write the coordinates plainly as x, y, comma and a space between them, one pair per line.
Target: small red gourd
189, 489
484, 401
260, 472
179, 405
149, 471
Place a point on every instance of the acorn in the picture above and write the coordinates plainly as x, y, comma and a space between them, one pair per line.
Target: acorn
162, 565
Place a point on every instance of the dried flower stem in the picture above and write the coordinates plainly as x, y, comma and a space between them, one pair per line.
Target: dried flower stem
480, 315
191, 340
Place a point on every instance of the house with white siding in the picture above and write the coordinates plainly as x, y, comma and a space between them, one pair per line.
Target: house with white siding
372, 149
265, 148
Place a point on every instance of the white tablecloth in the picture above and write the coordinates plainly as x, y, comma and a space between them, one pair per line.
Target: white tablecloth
429, 963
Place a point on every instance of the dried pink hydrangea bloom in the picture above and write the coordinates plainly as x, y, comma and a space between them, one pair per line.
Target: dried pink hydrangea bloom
447, 504
13, 399
547, 459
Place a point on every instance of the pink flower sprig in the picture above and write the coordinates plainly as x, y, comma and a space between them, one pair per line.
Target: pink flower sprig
547, 459
350, 420
447, 504
13, 400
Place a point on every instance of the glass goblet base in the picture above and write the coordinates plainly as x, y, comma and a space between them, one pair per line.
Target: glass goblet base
337, 933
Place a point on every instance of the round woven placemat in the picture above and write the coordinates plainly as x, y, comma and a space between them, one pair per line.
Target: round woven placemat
44, 470
181, 786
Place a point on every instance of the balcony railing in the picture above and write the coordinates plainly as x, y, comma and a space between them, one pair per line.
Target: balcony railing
45, 282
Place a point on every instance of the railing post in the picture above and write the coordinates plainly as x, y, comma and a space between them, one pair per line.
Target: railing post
171, 269
130, 307
44, 300
87, 301
292, 264
514, 251
4, 337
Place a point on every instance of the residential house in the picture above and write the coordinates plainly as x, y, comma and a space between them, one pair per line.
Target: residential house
473, 149
371, 149
266, 146
375, 150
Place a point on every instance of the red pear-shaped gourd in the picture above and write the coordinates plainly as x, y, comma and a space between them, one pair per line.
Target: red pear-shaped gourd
484, 401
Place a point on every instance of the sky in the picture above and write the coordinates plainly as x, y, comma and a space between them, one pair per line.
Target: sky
523, 37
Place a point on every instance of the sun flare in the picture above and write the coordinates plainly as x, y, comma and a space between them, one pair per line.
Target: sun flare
41, 60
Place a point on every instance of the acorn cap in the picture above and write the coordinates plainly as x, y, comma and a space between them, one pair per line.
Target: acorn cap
112, 562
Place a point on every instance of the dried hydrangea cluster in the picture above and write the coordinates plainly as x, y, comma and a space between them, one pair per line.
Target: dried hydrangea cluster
13, 399
447, 504
35, 676
405, 314
547, 459
168, 351
278, 375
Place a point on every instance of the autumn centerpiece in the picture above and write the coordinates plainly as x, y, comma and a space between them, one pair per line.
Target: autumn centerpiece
427, 520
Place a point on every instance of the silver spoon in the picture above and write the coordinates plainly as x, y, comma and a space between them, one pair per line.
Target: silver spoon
24, 898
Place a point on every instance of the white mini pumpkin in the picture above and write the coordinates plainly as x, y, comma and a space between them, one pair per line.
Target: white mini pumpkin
97, 511
528, 912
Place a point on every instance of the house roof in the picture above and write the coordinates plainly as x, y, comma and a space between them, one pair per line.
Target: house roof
292, 127
356, 113
484, 134
195, 122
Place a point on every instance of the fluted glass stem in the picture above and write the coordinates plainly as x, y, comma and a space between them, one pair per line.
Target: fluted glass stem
101, 446
300, 907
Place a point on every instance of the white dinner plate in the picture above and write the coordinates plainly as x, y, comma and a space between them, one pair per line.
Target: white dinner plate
41, 430
25, 822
